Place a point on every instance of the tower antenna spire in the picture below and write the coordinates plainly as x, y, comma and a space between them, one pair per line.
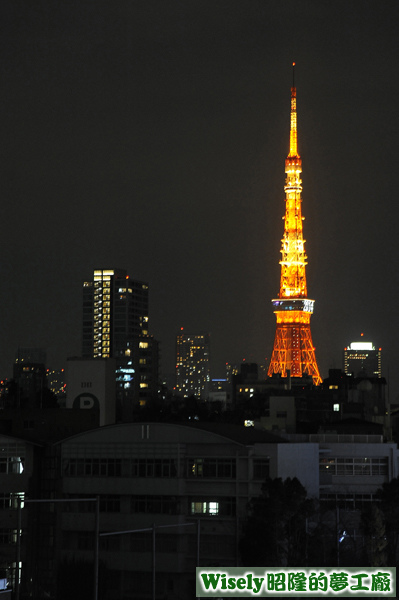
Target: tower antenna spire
293, 351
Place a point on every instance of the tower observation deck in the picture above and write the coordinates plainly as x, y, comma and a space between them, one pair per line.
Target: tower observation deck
293, 349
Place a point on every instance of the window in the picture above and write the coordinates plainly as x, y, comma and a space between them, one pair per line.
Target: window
354, 466
8, 536
261, 468
212, 545
100, 467
142, 542
222, 468
110, 543
12, 459
110, 503
153, 467
207, 508
348, 501
118, 467
223, 507
10, 501
165, 505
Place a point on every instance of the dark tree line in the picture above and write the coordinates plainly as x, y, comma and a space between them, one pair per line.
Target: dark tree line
285, 528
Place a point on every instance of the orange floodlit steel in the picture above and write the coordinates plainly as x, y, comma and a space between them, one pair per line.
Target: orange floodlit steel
293, 349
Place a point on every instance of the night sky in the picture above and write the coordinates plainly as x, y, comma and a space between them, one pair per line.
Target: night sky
151, 136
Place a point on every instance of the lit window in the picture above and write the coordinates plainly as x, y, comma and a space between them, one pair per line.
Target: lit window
213, 508
336, 407
205, 508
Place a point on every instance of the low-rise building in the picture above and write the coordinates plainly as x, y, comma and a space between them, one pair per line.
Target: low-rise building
172, 496
173, 477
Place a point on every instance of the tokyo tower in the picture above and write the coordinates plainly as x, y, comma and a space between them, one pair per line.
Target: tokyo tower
293, 349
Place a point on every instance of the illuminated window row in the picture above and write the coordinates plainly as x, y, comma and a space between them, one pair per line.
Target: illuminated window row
222, 507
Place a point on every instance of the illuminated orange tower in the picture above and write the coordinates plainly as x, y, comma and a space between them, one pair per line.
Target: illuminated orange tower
293, 349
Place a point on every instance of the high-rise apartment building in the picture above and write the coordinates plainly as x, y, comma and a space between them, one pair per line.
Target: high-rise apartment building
362, 359
192, 365
115, 325
115, 311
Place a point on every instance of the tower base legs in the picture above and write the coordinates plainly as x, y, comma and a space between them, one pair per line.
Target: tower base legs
293, 350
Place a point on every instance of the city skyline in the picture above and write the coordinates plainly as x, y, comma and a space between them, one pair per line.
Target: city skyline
152, 138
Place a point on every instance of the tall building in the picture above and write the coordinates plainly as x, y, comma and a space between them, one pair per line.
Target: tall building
192, 365
56, 382
115, 311
293, 349
362, 360
115, 325
29, 373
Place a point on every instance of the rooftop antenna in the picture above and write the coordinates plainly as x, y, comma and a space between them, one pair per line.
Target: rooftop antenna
293, 74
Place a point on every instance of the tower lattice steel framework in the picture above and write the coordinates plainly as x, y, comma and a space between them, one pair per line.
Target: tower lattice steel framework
293, 349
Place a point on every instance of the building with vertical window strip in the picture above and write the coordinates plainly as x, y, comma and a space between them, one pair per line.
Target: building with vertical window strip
115, 312
116, 325
193, 365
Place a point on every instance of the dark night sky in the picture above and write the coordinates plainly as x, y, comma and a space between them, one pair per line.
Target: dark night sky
151, 135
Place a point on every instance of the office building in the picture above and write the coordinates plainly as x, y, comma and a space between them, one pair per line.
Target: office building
192, 365
362, 360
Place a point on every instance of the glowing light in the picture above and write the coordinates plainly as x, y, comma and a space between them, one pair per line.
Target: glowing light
361, 346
